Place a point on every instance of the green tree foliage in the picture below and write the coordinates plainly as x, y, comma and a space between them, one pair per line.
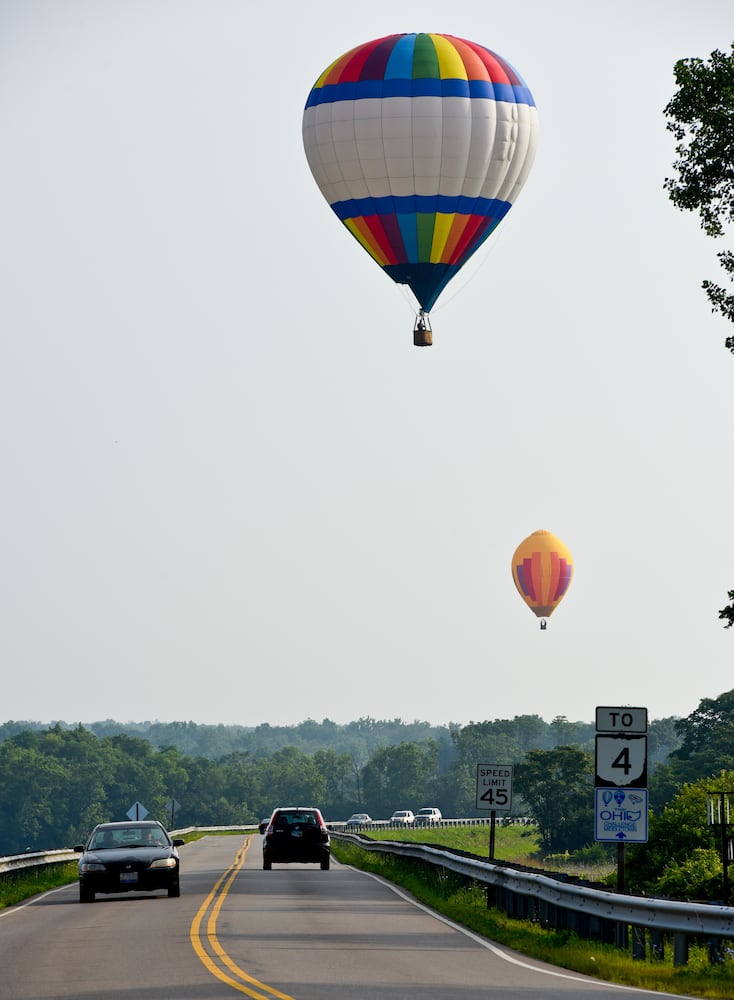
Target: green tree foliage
662, 739
699, 876
682, 857
566, 733
701, 117
703, 746
506, 741
727, 613
401, 777
57, 782
292, 778
558, 788
707, 736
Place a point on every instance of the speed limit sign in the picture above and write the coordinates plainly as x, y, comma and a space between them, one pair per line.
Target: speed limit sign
494, 787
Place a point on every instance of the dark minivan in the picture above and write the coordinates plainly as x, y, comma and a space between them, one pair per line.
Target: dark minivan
296, 834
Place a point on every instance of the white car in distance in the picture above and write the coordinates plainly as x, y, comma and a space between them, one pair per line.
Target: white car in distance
428, 816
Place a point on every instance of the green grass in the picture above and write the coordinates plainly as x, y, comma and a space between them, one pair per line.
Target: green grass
467, 905
515, 844
512, 843
17, 886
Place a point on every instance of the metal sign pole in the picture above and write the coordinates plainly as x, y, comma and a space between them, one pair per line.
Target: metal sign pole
620, 867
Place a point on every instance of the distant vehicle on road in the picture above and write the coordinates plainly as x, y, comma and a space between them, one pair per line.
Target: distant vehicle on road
402, 817
357, 820
428, 816
296, 834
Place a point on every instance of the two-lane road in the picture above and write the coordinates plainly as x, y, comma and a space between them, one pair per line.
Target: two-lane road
293, 933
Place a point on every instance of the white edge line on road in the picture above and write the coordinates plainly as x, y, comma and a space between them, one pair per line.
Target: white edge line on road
29, 902
506, 956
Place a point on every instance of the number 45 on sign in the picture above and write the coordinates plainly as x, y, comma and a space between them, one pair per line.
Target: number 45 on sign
494, 787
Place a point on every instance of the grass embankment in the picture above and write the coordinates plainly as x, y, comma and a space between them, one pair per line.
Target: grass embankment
17, 886
467, 905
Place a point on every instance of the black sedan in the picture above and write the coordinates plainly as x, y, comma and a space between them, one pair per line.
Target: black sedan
128, 857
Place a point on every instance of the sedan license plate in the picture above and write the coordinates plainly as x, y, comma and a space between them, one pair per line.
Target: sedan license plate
128, 877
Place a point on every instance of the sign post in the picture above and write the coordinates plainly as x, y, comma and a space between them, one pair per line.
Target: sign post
172, 806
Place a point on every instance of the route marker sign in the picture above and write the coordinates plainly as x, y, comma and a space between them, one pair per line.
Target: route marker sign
621, 720
621, 815
621, 761
494, 787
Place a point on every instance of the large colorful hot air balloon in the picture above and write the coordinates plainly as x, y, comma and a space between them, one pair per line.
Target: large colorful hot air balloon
420, 143
542, 568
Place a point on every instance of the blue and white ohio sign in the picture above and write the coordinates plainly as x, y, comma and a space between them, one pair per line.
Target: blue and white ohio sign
621, 815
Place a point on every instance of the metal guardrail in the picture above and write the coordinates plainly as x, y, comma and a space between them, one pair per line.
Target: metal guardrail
18, 862
664, 915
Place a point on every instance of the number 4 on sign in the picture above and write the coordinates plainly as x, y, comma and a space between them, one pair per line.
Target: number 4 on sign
621, 761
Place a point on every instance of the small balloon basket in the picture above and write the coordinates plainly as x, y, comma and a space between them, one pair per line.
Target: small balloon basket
422, 332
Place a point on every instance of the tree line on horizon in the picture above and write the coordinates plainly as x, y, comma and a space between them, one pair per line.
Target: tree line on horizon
57, 781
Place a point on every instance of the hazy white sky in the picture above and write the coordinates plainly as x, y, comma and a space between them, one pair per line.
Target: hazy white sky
232, 489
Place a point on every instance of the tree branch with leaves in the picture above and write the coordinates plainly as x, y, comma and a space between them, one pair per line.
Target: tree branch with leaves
701, 118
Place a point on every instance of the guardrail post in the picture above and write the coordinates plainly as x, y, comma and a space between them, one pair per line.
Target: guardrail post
657, 945
716, 950
680, 948
621, 936
638, 942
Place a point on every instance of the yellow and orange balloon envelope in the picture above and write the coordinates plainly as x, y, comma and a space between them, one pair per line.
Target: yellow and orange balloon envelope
542, 568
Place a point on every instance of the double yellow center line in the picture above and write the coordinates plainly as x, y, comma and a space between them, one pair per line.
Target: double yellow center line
207, 946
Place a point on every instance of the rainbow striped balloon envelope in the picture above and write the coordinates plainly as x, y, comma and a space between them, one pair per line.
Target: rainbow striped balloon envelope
542, 568
420, 143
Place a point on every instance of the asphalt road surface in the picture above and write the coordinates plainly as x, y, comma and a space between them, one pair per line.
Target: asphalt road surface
293, 933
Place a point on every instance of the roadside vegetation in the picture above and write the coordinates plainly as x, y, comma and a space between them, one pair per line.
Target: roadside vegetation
18, 886
515, 843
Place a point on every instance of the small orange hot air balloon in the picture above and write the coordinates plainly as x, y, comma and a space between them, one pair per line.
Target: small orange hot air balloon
542, 568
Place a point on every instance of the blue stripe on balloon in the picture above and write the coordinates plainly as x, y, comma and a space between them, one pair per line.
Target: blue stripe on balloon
355, 208
400, 61
409, 232
366, 89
